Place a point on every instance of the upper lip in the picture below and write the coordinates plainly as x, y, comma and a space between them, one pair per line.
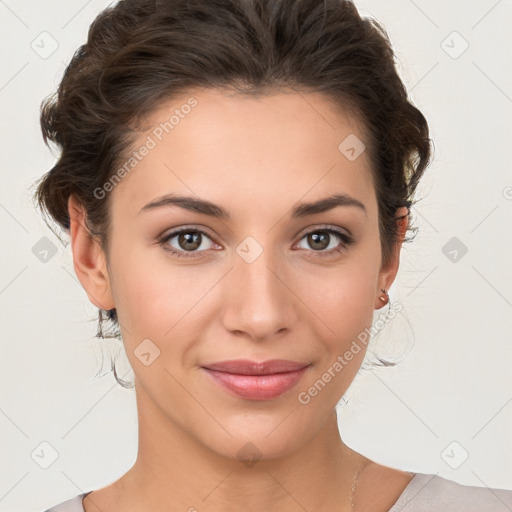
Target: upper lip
248, 367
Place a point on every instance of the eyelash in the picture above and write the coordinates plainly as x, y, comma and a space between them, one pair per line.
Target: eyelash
346, 239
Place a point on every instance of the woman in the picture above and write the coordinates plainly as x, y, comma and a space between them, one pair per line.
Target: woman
236, 179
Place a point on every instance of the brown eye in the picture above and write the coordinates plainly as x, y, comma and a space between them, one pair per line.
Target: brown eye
188, 241
323, 241
319, 241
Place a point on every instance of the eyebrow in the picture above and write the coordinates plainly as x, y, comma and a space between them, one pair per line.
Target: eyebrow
204, 207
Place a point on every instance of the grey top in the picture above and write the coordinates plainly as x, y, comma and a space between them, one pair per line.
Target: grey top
425, 493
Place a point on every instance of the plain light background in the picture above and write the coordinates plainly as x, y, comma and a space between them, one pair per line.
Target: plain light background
446, 408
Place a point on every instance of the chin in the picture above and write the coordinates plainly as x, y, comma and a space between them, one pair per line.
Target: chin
258, 440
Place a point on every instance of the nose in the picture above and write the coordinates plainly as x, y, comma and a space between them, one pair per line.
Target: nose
258, 298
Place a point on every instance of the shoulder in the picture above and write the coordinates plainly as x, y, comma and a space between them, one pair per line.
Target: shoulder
434, 493
71, 505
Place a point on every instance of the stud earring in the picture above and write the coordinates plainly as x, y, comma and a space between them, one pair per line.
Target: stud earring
384, 298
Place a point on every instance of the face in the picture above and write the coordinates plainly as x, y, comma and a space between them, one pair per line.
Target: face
267, 280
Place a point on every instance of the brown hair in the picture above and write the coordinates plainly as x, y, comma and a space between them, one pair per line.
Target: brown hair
142, 52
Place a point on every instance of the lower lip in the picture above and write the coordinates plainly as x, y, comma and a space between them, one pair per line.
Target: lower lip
257, 387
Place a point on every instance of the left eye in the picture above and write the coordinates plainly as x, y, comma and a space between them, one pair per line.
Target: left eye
318, 238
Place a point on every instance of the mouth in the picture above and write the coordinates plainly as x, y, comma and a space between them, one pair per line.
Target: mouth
257, 381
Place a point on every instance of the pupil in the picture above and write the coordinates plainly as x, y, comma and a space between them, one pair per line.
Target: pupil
317, 243
188, 238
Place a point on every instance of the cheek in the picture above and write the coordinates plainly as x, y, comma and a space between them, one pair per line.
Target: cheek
343, 310
341, 302
342, 298
160, 300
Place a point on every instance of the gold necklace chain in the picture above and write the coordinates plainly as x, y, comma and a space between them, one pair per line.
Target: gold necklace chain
355, 482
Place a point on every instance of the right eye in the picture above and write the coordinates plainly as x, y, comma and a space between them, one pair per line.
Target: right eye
186, 238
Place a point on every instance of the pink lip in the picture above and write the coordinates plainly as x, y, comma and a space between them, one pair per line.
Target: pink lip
257, 381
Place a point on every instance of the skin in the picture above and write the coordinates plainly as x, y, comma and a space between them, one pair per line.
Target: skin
242, 153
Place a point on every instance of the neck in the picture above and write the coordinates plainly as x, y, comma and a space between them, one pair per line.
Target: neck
174, 471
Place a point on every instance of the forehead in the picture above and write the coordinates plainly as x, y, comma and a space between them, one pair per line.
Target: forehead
242, 149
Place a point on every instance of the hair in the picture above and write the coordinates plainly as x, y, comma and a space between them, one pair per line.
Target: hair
140, 53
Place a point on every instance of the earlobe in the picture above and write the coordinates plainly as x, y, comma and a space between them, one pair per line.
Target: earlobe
88, 258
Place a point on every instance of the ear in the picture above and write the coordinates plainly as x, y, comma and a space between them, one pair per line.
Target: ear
88, 258
388, 273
